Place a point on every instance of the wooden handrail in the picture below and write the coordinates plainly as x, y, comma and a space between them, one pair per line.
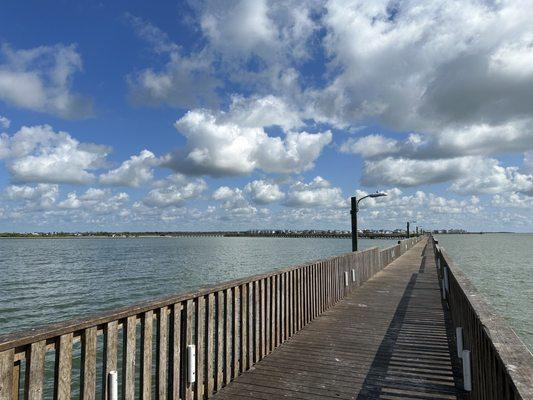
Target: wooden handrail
502, 365
232, 324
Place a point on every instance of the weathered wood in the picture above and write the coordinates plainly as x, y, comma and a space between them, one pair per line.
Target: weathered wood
236, 331
250, 334
128, 363
257, 322
244, 328
189, 340
88, 364
268, 324
175, 351
146, 355
262, 309
7, 362
110, 354
229, 336
63, 371
162, 354
35, 371
220, 340
16, 380
211, 348
200, 347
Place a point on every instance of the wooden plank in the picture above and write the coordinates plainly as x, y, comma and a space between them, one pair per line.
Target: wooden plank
177, 364
35, 371
220, 340
236, 356
228, 367
16, 381
7, 362
282, 308
268, 325
88, 364
189, 339
211, 349
250, 335
146, 354
162, 354
200, 347
277, 333
244, 328
128, 363
63, 371
263, 318
257, 322
110, 354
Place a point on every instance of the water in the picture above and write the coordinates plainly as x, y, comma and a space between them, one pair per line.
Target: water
501, 268
49, 280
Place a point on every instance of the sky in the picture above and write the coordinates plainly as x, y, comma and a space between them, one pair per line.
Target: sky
205, 115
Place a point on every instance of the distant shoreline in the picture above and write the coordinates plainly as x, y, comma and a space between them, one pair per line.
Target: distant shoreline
318, 235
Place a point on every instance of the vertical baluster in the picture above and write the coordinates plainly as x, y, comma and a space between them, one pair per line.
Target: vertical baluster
211, 352
263, 318
200, 347
236, 330
282, 307
128, 359
7, 362
244, 328
110, 354
176, 365
88, 364
189, 331
63, 371
257, 322
250, 324
229, 336
146, 354
16, 380
162, 354
220, 339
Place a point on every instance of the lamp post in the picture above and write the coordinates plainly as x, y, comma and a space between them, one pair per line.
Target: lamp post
353, 212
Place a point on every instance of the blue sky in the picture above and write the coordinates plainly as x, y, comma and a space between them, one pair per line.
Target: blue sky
237, 115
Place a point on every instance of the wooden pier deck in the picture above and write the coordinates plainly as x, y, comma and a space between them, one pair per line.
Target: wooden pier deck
389, 339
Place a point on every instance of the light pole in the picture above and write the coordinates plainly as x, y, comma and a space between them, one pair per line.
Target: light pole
353, 212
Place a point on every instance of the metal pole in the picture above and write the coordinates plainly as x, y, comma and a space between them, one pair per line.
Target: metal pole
407, 229
353, 212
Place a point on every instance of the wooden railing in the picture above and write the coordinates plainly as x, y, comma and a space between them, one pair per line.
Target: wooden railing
232, 325
501, 366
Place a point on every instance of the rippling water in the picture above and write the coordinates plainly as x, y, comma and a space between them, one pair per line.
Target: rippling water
501, 268
47, 280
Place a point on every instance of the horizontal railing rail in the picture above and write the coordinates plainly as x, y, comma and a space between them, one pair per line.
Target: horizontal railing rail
501, 366
230, 326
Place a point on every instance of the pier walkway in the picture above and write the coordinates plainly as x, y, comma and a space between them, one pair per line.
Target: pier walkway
388, 339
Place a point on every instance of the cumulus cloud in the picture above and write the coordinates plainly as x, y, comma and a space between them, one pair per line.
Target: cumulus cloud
39, 197
370, 146
4, 122
134, 172
174, 194
317, 193
38, 154
236, 143
263, 192
40, 79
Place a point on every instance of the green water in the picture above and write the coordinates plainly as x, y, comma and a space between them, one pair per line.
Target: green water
501, 268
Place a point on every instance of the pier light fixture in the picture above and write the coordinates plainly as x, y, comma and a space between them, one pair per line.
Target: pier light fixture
408, 224
353, 212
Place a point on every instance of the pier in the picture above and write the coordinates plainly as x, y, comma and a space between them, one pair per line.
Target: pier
402, 322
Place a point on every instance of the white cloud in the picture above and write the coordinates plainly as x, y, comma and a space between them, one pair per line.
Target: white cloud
134, 172
38, 154
370, 146
175, 194
40, 79
4, 122
233, 143
96, 201
317, 193
39, 197
262, 192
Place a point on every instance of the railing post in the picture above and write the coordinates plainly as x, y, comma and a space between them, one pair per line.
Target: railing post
467, 371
